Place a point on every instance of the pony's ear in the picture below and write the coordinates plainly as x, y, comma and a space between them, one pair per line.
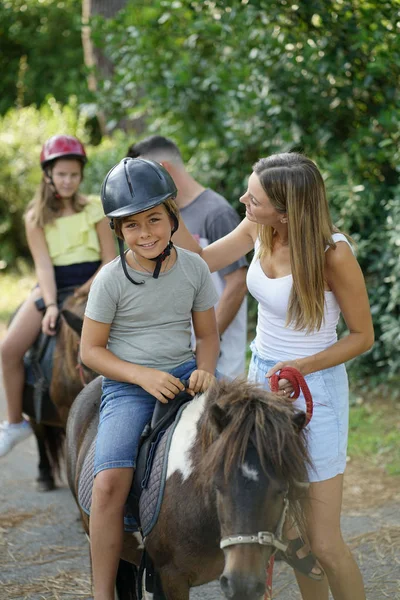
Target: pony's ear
299, 420
218, 418
75, 322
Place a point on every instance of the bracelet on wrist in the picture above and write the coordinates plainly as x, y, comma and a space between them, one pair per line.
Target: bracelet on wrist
51, 304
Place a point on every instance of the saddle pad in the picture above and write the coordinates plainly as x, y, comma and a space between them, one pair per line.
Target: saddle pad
46, 363
153, 492
85, 488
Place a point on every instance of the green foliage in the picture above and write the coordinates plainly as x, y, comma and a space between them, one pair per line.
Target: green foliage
231, 82
372, 435
41, 52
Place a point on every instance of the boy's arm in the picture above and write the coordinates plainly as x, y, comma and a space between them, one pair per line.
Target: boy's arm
97, 357
207, 347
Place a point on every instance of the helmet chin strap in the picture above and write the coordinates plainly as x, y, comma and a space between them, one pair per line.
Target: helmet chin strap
123, 263
160, 259
53, 187
167, 251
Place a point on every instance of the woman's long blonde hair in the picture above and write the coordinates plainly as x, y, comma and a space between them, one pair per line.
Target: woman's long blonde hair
45, 206
295, 186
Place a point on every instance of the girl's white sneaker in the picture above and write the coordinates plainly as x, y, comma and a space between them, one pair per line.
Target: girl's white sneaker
13, 433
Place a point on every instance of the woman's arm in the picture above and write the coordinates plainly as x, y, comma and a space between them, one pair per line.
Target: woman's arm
97, 357
107, 253
207, 349
345, 279
223, 252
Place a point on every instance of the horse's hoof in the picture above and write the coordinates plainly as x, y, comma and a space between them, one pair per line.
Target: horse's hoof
45, 485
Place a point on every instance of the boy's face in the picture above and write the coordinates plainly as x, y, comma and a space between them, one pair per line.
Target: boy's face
147, 234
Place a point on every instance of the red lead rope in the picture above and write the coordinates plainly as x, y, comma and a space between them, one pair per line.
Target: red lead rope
299, 384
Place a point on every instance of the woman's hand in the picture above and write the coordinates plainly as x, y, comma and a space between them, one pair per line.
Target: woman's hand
200, 381
159, 384
285, 387
49, 320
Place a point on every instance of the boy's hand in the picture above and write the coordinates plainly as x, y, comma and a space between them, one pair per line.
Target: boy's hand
200, 381
159, 384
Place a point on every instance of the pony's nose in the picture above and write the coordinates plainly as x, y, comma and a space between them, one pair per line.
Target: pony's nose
240, 587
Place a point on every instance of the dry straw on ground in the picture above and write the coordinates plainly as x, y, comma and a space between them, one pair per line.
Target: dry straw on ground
62, 586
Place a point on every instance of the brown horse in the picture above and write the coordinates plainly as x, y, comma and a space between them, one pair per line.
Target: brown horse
68, 376
234, 463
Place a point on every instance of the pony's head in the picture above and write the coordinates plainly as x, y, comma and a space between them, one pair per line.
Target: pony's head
254, 455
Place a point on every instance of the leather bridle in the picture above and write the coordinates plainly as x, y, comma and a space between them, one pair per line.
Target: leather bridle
264, 538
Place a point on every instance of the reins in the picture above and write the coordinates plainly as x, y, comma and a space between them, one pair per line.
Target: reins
299, 385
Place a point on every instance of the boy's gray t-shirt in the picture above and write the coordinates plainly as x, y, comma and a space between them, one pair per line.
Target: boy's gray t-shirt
150, 323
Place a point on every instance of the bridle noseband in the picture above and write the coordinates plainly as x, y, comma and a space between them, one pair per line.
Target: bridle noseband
264, 538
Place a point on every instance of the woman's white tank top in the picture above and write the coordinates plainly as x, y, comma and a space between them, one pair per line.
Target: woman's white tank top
274, 339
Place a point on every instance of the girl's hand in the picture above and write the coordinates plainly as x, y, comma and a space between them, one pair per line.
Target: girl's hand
159, 384
285, 387
200, 381
49, 320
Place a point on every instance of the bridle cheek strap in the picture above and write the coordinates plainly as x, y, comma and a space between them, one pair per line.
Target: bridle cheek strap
264, 538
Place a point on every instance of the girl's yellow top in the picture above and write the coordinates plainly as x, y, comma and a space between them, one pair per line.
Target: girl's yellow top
73, 239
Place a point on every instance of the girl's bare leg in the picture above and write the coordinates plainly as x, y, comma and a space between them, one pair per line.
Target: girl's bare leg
324, 534
110, 491
20, 336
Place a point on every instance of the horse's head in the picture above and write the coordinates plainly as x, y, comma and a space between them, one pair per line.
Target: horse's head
254, 453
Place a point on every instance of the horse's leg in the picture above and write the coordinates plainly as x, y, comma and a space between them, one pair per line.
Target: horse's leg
45, 480
174, 586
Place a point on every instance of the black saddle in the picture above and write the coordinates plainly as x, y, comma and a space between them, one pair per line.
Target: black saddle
164, 415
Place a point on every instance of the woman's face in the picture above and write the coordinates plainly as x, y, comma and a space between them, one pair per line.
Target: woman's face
147, 234
259, 208
67, 175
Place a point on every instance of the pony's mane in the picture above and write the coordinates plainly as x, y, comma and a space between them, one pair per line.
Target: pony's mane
68, 339
239, 413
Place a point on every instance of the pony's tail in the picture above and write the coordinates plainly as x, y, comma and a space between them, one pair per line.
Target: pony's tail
53, 438
126, 581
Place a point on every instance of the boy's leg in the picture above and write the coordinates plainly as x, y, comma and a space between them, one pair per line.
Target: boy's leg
110, 490
125, 410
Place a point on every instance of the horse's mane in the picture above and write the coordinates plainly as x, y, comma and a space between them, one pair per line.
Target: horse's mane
68, 341
239, 413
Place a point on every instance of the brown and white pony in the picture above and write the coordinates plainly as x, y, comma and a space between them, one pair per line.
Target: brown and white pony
234, 461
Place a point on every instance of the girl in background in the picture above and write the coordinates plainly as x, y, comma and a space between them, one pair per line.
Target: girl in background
69, 240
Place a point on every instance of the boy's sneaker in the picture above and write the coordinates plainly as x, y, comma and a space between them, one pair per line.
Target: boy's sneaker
13, 433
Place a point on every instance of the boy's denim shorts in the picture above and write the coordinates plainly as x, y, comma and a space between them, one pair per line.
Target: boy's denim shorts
327, 431
125, 410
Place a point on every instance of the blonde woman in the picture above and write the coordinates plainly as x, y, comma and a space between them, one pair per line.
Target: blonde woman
303, 275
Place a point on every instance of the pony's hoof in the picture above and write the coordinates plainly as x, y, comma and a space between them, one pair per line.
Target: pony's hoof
45, 485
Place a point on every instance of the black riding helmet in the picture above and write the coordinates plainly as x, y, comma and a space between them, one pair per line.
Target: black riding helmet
133, 186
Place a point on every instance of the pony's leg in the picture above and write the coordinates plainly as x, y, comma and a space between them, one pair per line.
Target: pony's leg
45, 480
20, 336
175, 587
323, 531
